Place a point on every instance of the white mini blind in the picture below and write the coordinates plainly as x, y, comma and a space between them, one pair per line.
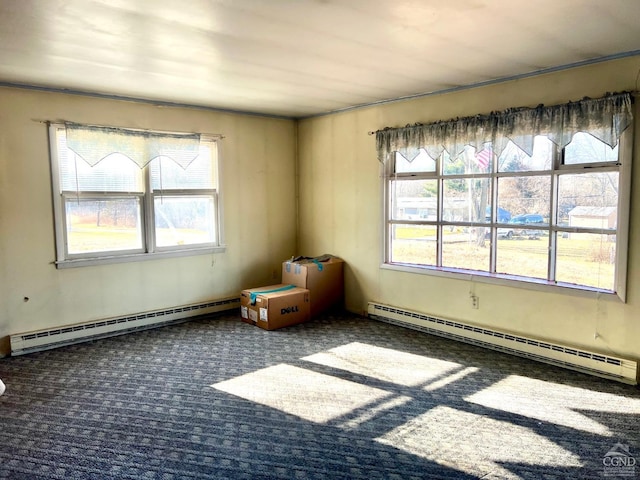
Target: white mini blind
114, 173
168, 175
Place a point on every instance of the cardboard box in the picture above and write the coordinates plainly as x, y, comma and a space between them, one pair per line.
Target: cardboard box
275, 306
322, 276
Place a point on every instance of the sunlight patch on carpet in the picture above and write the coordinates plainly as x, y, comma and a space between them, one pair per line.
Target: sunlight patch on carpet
475, 444
534, 399
306, 394
371, 413
384, 364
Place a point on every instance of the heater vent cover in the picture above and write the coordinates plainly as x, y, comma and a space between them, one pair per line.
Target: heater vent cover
607, 366
29, 342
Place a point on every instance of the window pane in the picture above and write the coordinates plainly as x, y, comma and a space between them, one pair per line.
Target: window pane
585, 148
523, 255
414, 200
466, 248
526, 199
422, 163
586, 259
184, 220
415, 244
466, 199
513, 159
588, 200
103, 225
469, 161
115, 173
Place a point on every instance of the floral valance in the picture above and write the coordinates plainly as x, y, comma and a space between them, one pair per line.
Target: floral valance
604, 118
93, 144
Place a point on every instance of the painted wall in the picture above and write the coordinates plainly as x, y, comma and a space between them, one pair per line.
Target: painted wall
340, 213
257, 184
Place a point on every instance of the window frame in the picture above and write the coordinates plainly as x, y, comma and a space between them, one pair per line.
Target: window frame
149, 250
558, 168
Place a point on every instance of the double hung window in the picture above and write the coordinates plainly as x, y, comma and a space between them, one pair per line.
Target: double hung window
124, 194
531, 195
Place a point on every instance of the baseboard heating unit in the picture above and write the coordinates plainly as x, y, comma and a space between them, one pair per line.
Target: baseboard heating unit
29, 342
614, 368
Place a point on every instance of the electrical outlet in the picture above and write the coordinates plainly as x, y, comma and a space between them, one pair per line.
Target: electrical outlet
475, 301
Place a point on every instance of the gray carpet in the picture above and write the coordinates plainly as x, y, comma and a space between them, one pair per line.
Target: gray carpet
341, 397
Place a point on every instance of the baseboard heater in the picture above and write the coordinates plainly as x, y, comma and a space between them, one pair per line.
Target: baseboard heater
606, 366
34, 341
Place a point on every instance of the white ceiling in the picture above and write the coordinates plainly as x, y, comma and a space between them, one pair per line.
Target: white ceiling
300, 57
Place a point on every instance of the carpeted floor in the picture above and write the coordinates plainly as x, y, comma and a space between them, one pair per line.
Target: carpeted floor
341, 397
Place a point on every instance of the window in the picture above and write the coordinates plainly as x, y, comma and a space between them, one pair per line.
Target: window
517, 206
123, 195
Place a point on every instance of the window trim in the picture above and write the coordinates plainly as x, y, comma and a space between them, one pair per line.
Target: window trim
623, 166
65, 260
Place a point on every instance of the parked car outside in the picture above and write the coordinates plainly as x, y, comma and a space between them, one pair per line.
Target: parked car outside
506, 233
529, 219
518, 223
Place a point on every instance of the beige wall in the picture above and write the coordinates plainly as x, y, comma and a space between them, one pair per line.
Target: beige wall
340, 213
339, 184
258, 178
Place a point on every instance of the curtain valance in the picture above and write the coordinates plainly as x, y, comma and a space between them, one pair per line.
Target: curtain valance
93, 144
604, 118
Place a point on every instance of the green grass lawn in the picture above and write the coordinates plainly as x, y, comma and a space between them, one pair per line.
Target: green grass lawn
579, 261
86, 238
583, 261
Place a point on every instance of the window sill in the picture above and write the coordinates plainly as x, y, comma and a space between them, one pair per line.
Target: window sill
136, 257
505, 280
